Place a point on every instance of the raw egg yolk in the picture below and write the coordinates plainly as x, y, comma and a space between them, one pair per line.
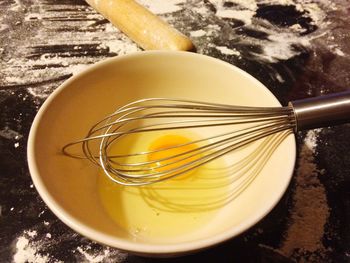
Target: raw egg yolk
168, 141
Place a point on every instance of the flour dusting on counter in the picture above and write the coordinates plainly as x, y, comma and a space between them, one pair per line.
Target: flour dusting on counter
55, 44
92, 258
198, 33
279, 38
46, 54
226, 51
32, 247
161, 6
10, 134
310, 210
106, 255
27, 249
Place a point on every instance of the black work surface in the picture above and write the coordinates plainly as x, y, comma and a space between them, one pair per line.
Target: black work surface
297, 49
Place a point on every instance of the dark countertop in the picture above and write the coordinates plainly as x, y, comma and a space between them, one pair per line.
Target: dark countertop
296, 48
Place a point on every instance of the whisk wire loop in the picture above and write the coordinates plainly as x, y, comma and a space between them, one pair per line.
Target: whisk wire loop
245, 125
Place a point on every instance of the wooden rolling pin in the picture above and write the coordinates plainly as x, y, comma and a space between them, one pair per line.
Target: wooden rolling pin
142, 26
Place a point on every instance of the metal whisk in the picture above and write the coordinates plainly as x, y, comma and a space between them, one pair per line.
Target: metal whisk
244, 125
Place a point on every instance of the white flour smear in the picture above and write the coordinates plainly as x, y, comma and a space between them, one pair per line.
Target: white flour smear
45, 54
310, 211
228, 51
105, 255
161, 6
56, 45
280, 42
27, 251
29, 247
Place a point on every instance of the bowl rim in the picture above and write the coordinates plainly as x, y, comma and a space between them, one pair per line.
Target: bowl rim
120, 243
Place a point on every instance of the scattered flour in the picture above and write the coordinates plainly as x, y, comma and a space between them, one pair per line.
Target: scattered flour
30, 244
198, 33
339, 52
228, 51
93, 258
310, 211
70, 58
3, 27
40, 93
46, 55
120, 47
94, 17
10, 134
75, 69
32, 233
161, 6
16, 6
336, 50
281, 42
280, 47
208, 31
214, 27
41, 213
244, 12
106, 255
203, 10
33, 16
243, 15
311, 139
279, 77
110, 28
27, 249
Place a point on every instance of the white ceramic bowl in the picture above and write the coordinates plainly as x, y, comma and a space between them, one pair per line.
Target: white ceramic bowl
68, 186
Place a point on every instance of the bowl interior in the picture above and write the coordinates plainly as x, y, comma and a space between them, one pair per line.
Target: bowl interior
68, 185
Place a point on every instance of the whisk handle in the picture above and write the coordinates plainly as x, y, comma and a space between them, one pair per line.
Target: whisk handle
323, 111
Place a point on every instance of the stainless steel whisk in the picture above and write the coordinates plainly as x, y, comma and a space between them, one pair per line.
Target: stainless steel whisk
244, 125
